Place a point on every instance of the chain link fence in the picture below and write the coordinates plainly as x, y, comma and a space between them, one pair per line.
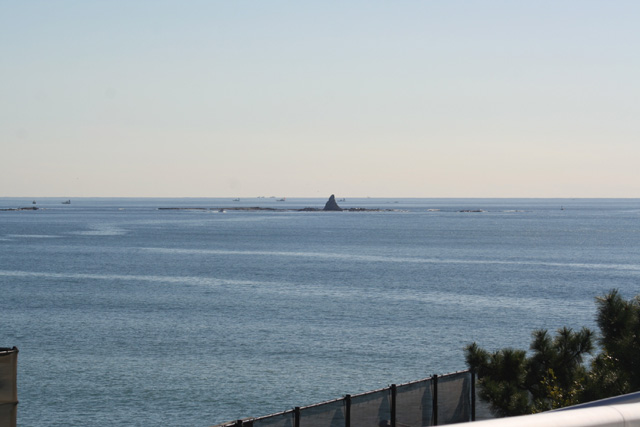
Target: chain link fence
436, 400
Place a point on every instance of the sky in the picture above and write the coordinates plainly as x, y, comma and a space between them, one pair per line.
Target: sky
247, 98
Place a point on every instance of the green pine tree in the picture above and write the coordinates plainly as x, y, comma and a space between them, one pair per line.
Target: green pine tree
616, 370
554, 374
515, 384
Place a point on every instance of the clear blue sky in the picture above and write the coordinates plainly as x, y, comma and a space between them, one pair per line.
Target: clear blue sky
358, 98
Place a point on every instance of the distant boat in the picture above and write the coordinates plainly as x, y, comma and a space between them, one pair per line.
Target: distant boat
236, 200
342, 200
33, 203
284, 199
68, 202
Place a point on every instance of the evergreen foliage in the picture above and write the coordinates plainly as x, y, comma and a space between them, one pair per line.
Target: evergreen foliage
554, 373
616, 370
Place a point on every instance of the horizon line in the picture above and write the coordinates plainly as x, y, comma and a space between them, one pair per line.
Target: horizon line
319, 197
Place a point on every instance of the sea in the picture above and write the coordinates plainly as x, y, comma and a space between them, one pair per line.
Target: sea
128, 314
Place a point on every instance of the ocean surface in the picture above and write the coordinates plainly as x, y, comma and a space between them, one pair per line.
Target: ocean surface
125, 314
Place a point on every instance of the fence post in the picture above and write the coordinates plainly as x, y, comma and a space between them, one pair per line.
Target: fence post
473, 394
347, 411
394, 393
8, 386
296, 412
434, 379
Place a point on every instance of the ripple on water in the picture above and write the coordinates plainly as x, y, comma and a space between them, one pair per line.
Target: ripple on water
103, 230
31, 236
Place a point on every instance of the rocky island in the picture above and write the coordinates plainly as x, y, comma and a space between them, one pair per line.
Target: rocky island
330, 206
30, 208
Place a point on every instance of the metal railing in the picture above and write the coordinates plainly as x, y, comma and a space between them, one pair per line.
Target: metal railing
619, 415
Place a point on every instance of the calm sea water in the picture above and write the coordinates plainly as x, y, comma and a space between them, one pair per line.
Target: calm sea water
129, 315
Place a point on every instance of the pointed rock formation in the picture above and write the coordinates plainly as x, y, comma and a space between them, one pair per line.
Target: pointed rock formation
332, 205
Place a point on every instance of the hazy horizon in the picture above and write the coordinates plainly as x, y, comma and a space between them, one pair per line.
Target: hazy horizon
381, 99
339, 197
